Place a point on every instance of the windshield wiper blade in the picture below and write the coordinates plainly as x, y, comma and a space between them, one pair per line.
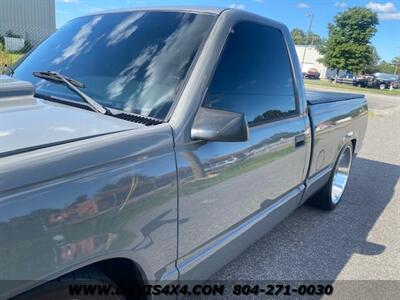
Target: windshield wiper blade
54, 76
73, 85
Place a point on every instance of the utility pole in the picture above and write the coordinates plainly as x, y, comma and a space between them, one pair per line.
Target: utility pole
397, 62
311, 16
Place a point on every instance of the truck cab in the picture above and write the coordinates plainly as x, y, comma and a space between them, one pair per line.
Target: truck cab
202, 139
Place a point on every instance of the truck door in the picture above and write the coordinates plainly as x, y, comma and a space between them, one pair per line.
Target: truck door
222, 184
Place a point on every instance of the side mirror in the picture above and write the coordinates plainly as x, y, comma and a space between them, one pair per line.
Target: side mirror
219, 125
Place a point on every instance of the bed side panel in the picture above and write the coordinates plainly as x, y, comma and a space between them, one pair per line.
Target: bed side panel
335, 123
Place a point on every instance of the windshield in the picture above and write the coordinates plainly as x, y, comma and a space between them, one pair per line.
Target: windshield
134, 61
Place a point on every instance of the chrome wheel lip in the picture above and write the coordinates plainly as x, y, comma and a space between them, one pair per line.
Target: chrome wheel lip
341, 174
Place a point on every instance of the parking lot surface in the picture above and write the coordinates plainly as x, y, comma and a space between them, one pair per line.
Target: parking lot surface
358, 241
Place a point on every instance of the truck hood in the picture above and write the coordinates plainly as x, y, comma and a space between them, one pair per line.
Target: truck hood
28, 123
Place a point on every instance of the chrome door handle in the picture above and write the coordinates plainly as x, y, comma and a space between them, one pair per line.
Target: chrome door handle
299, 140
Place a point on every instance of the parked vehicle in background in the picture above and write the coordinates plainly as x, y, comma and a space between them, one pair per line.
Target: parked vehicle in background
312, 73
165, 164
378, 80
362, 80
344, 79
383, 81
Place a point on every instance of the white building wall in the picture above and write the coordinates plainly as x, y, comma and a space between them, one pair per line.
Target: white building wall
33, 20
311, 59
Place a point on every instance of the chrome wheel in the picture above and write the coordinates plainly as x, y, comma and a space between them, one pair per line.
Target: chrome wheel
341, 175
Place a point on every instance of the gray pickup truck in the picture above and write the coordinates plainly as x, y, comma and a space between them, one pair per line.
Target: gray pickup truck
155, 145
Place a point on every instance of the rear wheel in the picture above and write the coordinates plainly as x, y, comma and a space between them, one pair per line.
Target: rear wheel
96, 283
382, 86
331, 194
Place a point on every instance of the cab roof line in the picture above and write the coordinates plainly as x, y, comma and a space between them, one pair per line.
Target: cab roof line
187, 9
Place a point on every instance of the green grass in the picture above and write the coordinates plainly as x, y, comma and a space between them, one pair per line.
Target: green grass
9, 58
327, 84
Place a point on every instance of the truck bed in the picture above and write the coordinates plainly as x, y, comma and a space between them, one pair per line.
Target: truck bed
318, 97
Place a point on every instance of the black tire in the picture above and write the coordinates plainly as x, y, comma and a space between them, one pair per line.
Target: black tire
323, 198
382, 86
59, 288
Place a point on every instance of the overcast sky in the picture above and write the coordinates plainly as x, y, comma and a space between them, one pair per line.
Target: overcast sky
291, 12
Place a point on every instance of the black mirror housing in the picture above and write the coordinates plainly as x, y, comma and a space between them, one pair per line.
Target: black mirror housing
219, 125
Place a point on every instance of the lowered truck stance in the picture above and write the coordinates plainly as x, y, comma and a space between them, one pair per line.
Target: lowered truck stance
154, 145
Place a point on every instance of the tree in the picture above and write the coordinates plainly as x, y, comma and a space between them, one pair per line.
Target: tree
314, 39
300, 38
396, 63
392, 67
385, 67
373, 65
348, 46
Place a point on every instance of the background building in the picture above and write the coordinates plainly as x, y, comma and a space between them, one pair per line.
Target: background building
311, 61
31, 20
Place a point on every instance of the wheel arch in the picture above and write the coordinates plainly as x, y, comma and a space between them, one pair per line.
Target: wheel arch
119, 269
347, 139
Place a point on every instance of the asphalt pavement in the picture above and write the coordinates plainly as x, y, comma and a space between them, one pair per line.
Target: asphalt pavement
353, 246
